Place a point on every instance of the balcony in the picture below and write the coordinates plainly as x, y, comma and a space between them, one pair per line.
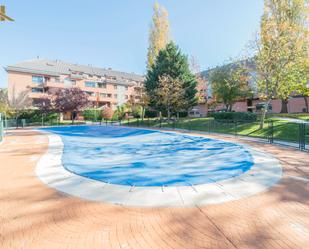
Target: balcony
38, 95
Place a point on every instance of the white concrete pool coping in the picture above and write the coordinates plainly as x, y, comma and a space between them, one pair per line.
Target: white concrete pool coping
265, 173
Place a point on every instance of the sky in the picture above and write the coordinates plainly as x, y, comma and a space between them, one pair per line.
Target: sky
114, 33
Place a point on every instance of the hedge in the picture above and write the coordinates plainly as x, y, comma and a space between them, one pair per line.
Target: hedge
235, 116
92, 114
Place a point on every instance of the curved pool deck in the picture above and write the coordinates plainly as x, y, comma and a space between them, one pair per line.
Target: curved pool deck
33, 215
247, 171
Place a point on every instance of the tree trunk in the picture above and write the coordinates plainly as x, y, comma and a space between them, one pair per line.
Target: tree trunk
168, 113
264, 111
143, 110
227, 106
284, 106
306, 103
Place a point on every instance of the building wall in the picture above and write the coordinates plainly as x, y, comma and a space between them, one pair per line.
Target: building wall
18, 82
295, 105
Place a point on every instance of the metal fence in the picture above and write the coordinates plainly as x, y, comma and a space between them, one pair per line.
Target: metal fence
278, 132
1, 128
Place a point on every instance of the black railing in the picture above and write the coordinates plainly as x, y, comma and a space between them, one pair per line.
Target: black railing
274, 132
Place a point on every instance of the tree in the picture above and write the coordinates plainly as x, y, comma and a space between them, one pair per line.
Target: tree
19, 102
171, 62
4, 104
70, 100
202, 83
170, 94
159, 33
229, 83
121, 112
304, 91
107, 112
282, 49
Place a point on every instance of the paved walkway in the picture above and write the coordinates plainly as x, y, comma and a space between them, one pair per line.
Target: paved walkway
35, 216
293, 120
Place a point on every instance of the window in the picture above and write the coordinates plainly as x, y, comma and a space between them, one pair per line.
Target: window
56, 80
115, 96
103, 95
101, 85
90, 84
90, 93
37, 90
126, 88
127, 96
115, 86
38, 79
109, 95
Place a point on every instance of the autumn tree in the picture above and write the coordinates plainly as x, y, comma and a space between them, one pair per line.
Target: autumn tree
107, 112
202, 83
229, 83
170, 94
159, 33
282, 49
18, 102
171, 62
70, 100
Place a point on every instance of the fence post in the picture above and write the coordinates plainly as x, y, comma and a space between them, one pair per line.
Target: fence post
160, 122
271, 132
1, 128
301, 134
235, 128
148, 122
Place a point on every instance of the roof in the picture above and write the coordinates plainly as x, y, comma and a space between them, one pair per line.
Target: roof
249, 63
58, 67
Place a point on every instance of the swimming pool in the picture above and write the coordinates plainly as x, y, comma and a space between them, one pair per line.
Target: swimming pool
150, 168
139, 157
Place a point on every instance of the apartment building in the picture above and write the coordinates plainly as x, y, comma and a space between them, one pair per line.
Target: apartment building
105, 87
296, 103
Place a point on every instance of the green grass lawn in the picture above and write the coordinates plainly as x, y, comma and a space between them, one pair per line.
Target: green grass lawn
282, 130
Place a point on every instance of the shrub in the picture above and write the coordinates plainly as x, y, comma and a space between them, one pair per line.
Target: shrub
150, 113
34, 116
92, 114
234, 116
107, 113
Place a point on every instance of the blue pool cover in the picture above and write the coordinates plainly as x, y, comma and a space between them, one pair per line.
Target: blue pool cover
139, 157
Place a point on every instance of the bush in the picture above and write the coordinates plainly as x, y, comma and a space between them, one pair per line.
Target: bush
92, 114
34, 116
234, 116
107, 113
150, 113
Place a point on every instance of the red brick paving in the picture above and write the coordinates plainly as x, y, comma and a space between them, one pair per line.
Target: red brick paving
35, 216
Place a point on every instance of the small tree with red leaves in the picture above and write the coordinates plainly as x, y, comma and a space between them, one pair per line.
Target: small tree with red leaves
70, 100
107, 113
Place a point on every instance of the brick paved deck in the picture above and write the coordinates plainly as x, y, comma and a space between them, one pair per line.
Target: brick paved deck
35, 216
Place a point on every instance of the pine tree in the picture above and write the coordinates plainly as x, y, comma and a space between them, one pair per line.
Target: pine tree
171, 62
159, 33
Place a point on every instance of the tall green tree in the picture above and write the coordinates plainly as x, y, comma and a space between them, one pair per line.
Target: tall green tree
282, 49
170, 94
159, 34
229, 83
171, 62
